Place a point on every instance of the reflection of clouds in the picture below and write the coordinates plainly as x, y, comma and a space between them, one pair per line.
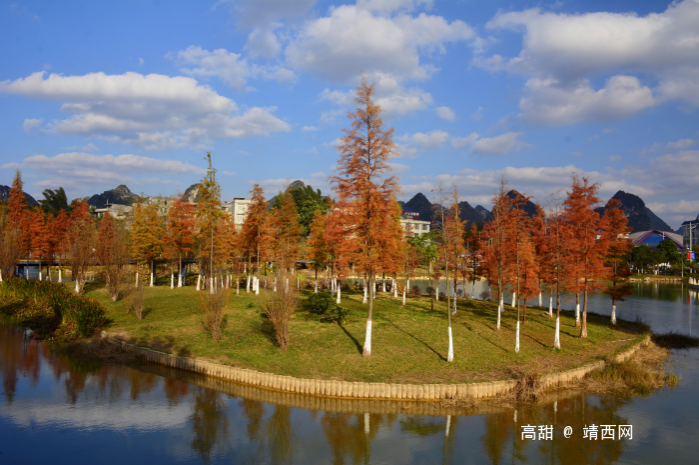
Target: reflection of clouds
119, 415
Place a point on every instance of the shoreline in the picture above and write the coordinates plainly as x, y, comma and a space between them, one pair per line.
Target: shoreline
360, 390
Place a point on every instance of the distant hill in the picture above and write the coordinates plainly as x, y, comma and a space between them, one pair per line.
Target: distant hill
420, 204
529, 207
640, 217
121, 195
5, 196
485, 214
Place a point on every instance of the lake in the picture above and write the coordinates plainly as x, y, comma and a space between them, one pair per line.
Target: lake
63, 410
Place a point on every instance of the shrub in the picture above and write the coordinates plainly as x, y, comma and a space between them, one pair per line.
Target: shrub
325, 305
279, 306
86, 314
214, 304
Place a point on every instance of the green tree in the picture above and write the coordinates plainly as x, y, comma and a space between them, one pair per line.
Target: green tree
54, 201
307, 202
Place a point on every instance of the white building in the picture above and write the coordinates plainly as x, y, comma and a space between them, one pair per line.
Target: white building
119, 212
238, 209
410, 222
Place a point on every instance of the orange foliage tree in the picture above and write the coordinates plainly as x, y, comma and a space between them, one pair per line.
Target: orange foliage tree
585, 225
365, 196
252, 235
179, 239
317, 251
146, 236
616, 228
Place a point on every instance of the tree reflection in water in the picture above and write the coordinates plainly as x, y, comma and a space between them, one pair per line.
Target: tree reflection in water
501, 431
209, 422
350, 435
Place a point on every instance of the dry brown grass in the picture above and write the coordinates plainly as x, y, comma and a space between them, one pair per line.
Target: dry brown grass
641, 374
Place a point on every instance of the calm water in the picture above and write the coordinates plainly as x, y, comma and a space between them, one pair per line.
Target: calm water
60, 410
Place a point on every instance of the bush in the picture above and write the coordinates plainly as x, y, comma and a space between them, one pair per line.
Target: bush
324, 304
86, 314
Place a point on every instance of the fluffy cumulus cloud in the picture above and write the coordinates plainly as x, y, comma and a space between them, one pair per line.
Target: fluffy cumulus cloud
368, 37
429, 141
152, 111
446, 113
498, 145
562, 52
31, 124
660, 181
230, 67
79, 170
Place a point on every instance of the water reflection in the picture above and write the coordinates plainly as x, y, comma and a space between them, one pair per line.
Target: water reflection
159, 414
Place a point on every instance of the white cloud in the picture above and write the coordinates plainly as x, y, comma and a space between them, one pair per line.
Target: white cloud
351, 39
576, 154
153, 111
461, 142
398, 168
77, 171
562, 52
263, 42
406, 151
680, 144
615, 158
430, 141
676, 212
330, 117
477, 115
393, 98
228, 66
310, 128
547, 103
498, 145
31, 123
90, 148
229, 173
319, 174
446, 113
140, 61
335, 143
609, 130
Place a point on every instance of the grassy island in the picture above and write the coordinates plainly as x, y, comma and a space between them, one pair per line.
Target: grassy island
410, 344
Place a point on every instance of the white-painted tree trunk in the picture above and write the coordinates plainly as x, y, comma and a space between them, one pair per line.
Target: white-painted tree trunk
365, 293
613, 314
557, 336
407, 285
198, 282
551, 306
577, 314
136, 283
172, 280
40, 275
257, 286
500, 306
0, 276
287, 285
453, 299
367, 339
450, 354
77, 287
515, 418
179, 278
151, 278
316, 289
448, 425
517, 339
339, 294
383, 284
211, 285
404, 293
275, 284
237, 285
514, 299
60, 275
395, 289
436, 293
540, 301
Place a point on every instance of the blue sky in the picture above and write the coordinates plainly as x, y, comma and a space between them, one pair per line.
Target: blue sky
96, 94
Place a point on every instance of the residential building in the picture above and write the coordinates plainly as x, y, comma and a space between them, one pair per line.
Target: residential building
238, 209
410, 221
120, 212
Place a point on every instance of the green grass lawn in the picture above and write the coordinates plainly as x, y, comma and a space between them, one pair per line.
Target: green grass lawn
409, 344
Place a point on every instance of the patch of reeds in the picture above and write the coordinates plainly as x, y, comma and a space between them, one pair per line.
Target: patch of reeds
641, 374
673, 340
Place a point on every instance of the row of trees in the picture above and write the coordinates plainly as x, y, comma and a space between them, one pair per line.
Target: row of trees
567, 248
